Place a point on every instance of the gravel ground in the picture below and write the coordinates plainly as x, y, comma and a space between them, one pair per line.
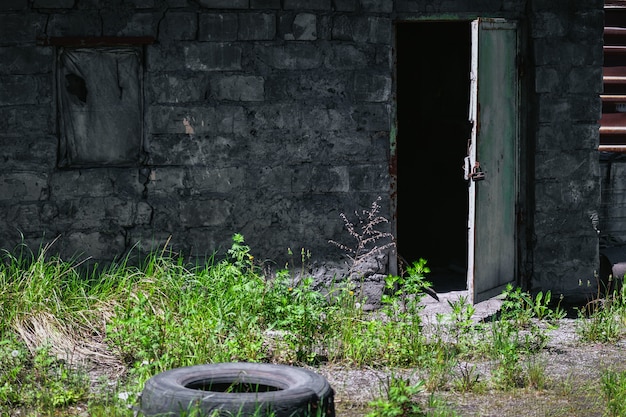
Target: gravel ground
572, 369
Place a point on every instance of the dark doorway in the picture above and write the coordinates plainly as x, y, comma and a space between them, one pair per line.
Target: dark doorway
433, 67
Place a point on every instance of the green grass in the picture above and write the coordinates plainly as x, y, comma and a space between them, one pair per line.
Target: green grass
137, 321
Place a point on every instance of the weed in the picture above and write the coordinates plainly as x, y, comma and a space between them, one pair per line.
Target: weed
614, 390
536, 373
520, 307
165, 313
369, 241
40, 381
398, 399
603, 319
469, 378
463, 326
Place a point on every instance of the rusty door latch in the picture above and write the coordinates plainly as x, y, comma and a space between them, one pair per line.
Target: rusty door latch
474, 173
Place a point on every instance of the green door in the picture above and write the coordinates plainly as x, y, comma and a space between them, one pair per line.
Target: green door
493, 145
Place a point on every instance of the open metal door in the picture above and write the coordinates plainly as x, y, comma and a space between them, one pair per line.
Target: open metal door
492, 158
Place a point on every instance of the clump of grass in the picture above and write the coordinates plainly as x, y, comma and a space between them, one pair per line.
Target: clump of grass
603, 319
614, 390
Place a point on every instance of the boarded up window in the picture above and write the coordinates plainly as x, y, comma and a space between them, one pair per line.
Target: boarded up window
100, 106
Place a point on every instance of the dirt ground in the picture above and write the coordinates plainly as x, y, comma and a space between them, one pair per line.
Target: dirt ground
572, 369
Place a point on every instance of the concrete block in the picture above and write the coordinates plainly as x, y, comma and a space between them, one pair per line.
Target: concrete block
25, 89
165, 181
315, 86
238, 88
586, 79
369, 178
209, 180
264, 4
74, 184
274, 116
28, 152
24, 218
320, 178
346, 5
303, 28
307, 4
23, 186
571, 163
84, 23
200, 150
175, 88
555, 52
345, 57
363, 29
21, 28
587, 26
138, 24
14, 5
271, 178
179, 26
26, 60
148, 4
554, 107
548, 80
218, 27
586, 107
26, 120
408, 6
120, 212
165, 56
84, 214
557, 195
98, 245
548, 24
201, 243
377, 6
210, 212
372, 87
291, 56
175, 3
149, 240
256, 26
566, 5
195, 120
53, 4
323, 118
143, 214
213, 57
371, 117
225, 4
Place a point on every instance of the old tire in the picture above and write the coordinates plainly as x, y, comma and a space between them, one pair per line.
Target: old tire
238, 389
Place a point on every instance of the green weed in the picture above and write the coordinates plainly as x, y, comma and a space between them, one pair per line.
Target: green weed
614, 390
165, 313
603, 319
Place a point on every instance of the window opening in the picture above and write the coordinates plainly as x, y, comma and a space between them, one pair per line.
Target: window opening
100, 106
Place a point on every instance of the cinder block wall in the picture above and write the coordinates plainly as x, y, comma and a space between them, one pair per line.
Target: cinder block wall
270, 118
566, 50
266, 118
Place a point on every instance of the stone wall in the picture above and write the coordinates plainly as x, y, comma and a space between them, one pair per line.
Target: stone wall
270, 118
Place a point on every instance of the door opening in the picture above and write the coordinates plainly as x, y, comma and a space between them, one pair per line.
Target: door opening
433, 83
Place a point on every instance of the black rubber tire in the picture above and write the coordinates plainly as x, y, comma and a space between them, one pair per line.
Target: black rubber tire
295, 392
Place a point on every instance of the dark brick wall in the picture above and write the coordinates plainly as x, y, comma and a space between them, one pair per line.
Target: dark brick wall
270, 118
